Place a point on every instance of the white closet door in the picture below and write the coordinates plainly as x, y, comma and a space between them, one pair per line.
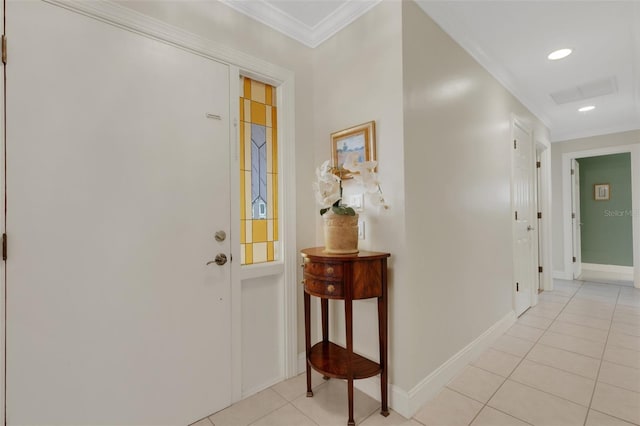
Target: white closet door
524, 204
117, 182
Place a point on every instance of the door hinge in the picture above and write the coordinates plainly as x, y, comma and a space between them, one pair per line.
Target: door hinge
516, 215
573, 215
539, 215
517, 286
515, 144
4, 49
573, 172
540, 269
574, 259
537, 165
4, 246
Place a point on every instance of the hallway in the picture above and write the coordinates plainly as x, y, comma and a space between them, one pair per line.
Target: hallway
574, 359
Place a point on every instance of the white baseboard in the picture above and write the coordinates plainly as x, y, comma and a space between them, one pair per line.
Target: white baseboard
616, 269
434, 382
562, 275
398, 398
408, 403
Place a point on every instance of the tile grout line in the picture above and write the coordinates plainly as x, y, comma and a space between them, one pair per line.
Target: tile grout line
304, 414
566, 350
261, 417
484, 405
615, 417
198, 421
601, 359
559, 369
520, 362
371, 414
595, 385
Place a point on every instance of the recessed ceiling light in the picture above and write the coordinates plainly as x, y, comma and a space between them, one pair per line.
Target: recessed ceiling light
587, 108
559, 54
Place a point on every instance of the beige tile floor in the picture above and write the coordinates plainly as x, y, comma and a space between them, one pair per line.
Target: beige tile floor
574, 359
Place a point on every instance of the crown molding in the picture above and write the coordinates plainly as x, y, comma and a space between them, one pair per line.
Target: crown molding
568, 135
449, 24
273, 17
264, 12
340, 18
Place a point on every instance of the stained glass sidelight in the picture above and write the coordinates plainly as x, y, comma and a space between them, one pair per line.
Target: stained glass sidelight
259, 172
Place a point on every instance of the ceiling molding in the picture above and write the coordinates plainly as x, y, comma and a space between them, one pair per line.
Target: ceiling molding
271, 16
564, 136
448, 23
340, 18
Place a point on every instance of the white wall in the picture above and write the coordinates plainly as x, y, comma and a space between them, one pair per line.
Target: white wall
560, 252
358, 78
444, 151
457, 152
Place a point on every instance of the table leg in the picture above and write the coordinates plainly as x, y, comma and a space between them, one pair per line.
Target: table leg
307, 338
324, 309
348, 314
324, 305
382, 330
351, 422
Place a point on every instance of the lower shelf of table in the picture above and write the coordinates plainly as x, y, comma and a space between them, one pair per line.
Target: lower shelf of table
331, 360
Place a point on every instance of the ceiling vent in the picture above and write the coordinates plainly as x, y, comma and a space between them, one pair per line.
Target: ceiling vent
592, 89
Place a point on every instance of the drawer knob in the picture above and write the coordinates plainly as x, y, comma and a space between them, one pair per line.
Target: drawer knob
331, 288
329, 270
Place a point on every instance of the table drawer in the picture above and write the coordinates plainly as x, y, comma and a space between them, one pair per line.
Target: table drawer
326, 289
323, 270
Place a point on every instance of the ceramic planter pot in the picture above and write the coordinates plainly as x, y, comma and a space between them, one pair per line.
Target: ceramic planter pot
340, 233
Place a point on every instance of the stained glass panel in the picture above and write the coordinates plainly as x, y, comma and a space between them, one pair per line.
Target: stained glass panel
259, 172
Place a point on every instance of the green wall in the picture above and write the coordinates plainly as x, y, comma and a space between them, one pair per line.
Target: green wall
606, 225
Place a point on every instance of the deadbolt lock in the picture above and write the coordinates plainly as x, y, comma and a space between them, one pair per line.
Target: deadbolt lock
220, 236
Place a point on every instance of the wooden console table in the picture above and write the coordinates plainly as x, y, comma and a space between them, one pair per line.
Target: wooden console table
346, 277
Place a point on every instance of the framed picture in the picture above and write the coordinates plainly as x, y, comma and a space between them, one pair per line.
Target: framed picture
359, 139
601, 192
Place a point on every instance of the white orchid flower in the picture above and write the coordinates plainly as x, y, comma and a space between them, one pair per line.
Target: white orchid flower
324, 172
327, 192
352, 164
327, 186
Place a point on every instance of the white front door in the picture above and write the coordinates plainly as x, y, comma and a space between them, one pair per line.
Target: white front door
576, 226
523, 197
116, 184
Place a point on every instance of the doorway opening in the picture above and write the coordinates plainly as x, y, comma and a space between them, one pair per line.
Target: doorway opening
603, 223
600, 208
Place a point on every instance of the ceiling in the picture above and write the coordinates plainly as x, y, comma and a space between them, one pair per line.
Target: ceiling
512, 39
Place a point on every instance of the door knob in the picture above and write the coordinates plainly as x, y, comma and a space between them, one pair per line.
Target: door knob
220, 259
220, 236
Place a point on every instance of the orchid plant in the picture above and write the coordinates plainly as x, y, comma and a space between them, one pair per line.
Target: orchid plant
328, 185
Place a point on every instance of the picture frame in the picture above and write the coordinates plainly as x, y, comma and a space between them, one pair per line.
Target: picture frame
601, 192
360, 139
